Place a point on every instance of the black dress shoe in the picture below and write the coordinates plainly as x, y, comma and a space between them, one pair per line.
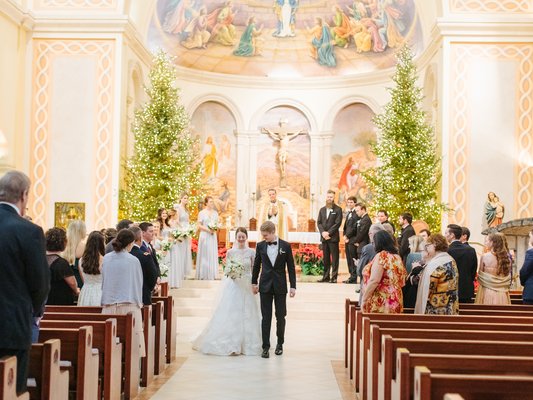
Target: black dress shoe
279, 350
265, 353
350, 281
323, 280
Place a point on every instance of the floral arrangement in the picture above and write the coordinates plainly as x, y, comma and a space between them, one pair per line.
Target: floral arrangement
222, 254
194, 248
310, 259
161, 258
233, 269
213, 225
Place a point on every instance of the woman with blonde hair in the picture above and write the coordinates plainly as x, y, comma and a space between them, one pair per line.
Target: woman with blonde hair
416, 246
494, 273
76, 235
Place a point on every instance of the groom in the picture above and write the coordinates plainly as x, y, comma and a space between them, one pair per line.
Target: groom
273, 257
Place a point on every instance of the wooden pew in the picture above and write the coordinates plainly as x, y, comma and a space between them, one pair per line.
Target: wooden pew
109, 347
386, 366
77, 349
171, 325
163, 289
403, 385
43, 367
347, 305
8, 380
147, 362
430, 386
125, 332
371, 349
158, 317
453, 396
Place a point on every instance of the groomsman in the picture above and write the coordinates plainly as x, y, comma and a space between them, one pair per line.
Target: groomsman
383, 218
328, 222
405, 221
350, 230
361, 238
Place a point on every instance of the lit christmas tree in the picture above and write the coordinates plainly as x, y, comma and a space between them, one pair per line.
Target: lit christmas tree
408, 172
165, 161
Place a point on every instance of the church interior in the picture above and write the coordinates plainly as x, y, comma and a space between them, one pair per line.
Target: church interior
272, 109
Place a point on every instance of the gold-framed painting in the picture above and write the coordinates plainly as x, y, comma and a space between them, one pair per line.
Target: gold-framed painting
66, 212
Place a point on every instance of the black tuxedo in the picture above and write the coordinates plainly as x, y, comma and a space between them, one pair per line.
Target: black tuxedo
150, 249
24, 285
150, 273
466, 259
330, 248
350, 230
273, 286
405, 234
362, 238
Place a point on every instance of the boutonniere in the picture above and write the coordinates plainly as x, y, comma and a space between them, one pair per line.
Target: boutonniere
332, 213
281, 251
146, 253
359, 222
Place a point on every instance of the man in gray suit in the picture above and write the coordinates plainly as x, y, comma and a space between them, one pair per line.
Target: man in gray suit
25, 274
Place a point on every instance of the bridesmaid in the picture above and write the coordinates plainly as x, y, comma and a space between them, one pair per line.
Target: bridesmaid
182, 211
164, 227
175, 270
207, 258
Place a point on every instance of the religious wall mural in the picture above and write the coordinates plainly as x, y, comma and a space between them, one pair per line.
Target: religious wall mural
214, 127
353, 131
283, 160
285, 38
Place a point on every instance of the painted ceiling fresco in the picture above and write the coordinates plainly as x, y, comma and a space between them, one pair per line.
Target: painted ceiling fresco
285, 38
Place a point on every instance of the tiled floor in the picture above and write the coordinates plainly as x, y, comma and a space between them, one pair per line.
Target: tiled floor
310, 367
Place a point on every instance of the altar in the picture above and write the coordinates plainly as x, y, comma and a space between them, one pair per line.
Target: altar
294, 237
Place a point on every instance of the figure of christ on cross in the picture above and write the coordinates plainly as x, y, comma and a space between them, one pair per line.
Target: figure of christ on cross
283, 136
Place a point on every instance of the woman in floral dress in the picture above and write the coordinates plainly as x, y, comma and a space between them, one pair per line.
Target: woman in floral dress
384, 278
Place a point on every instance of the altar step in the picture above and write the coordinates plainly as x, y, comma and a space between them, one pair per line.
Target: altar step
313, 301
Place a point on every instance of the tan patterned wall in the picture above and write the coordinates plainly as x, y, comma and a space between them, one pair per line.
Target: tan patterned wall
44, 51
492, 6
461, 54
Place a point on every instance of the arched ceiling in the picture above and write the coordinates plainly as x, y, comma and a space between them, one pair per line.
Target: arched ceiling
355, 37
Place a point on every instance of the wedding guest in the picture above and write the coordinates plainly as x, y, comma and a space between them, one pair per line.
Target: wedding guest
466, 260
91, 270
407, 231
368, 252
349, 231
109, 234
494, 273
437, 288
149, 269
234, 327
526, 273
122, 281
416, 246
207, 256
411, 282
63, 286
425, 233
164, 226
25, 274
76, 236
328, 222
122, 224
148, 235
383, 218
184, 247
383, 278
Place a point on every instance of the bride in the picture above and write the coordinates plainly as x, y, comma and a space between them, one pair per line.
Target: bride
234, 327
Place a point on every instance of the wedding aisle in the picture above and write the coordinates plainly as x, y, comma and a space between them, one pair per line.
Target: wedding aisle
312, 357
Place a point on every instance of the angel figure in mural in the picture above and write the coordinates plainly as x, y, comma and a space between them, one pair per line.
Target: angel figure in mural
494, 210
249, 44
178, 17
283, 136
285, 11
322, 43
221, 23
210, 159
196, 30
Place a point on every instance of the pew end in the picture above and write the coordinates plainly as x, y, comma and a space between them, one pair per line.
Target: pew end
8, 380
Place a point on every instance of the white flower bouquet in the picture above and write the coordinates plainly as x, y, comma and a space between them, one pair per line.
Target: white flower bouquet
190, 230
166, 245
178, 234
213, 225
163, 268
233, 269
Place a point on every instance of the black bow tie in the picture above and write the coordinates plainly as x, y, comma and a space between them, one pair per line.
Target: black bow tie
272, 243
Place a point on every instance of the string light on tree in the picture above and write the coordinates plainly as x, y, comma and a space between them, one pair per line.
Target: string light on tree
408, 172
165, 161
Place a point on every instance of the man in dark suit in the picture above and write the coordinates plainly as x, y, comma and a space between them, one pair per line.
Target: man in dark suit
150, 272
349, 231
466, 259
25, 274
407, 231
329, 221
383, 218
147, 229
273, 258
362, 238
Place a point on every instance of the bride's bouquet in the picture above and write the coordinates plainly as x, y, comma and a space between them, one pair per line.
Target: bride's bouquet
233, 269
213, 225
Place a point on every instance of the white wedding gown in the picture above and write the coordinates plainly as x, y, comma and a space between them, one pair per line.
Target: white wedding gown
235, 326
